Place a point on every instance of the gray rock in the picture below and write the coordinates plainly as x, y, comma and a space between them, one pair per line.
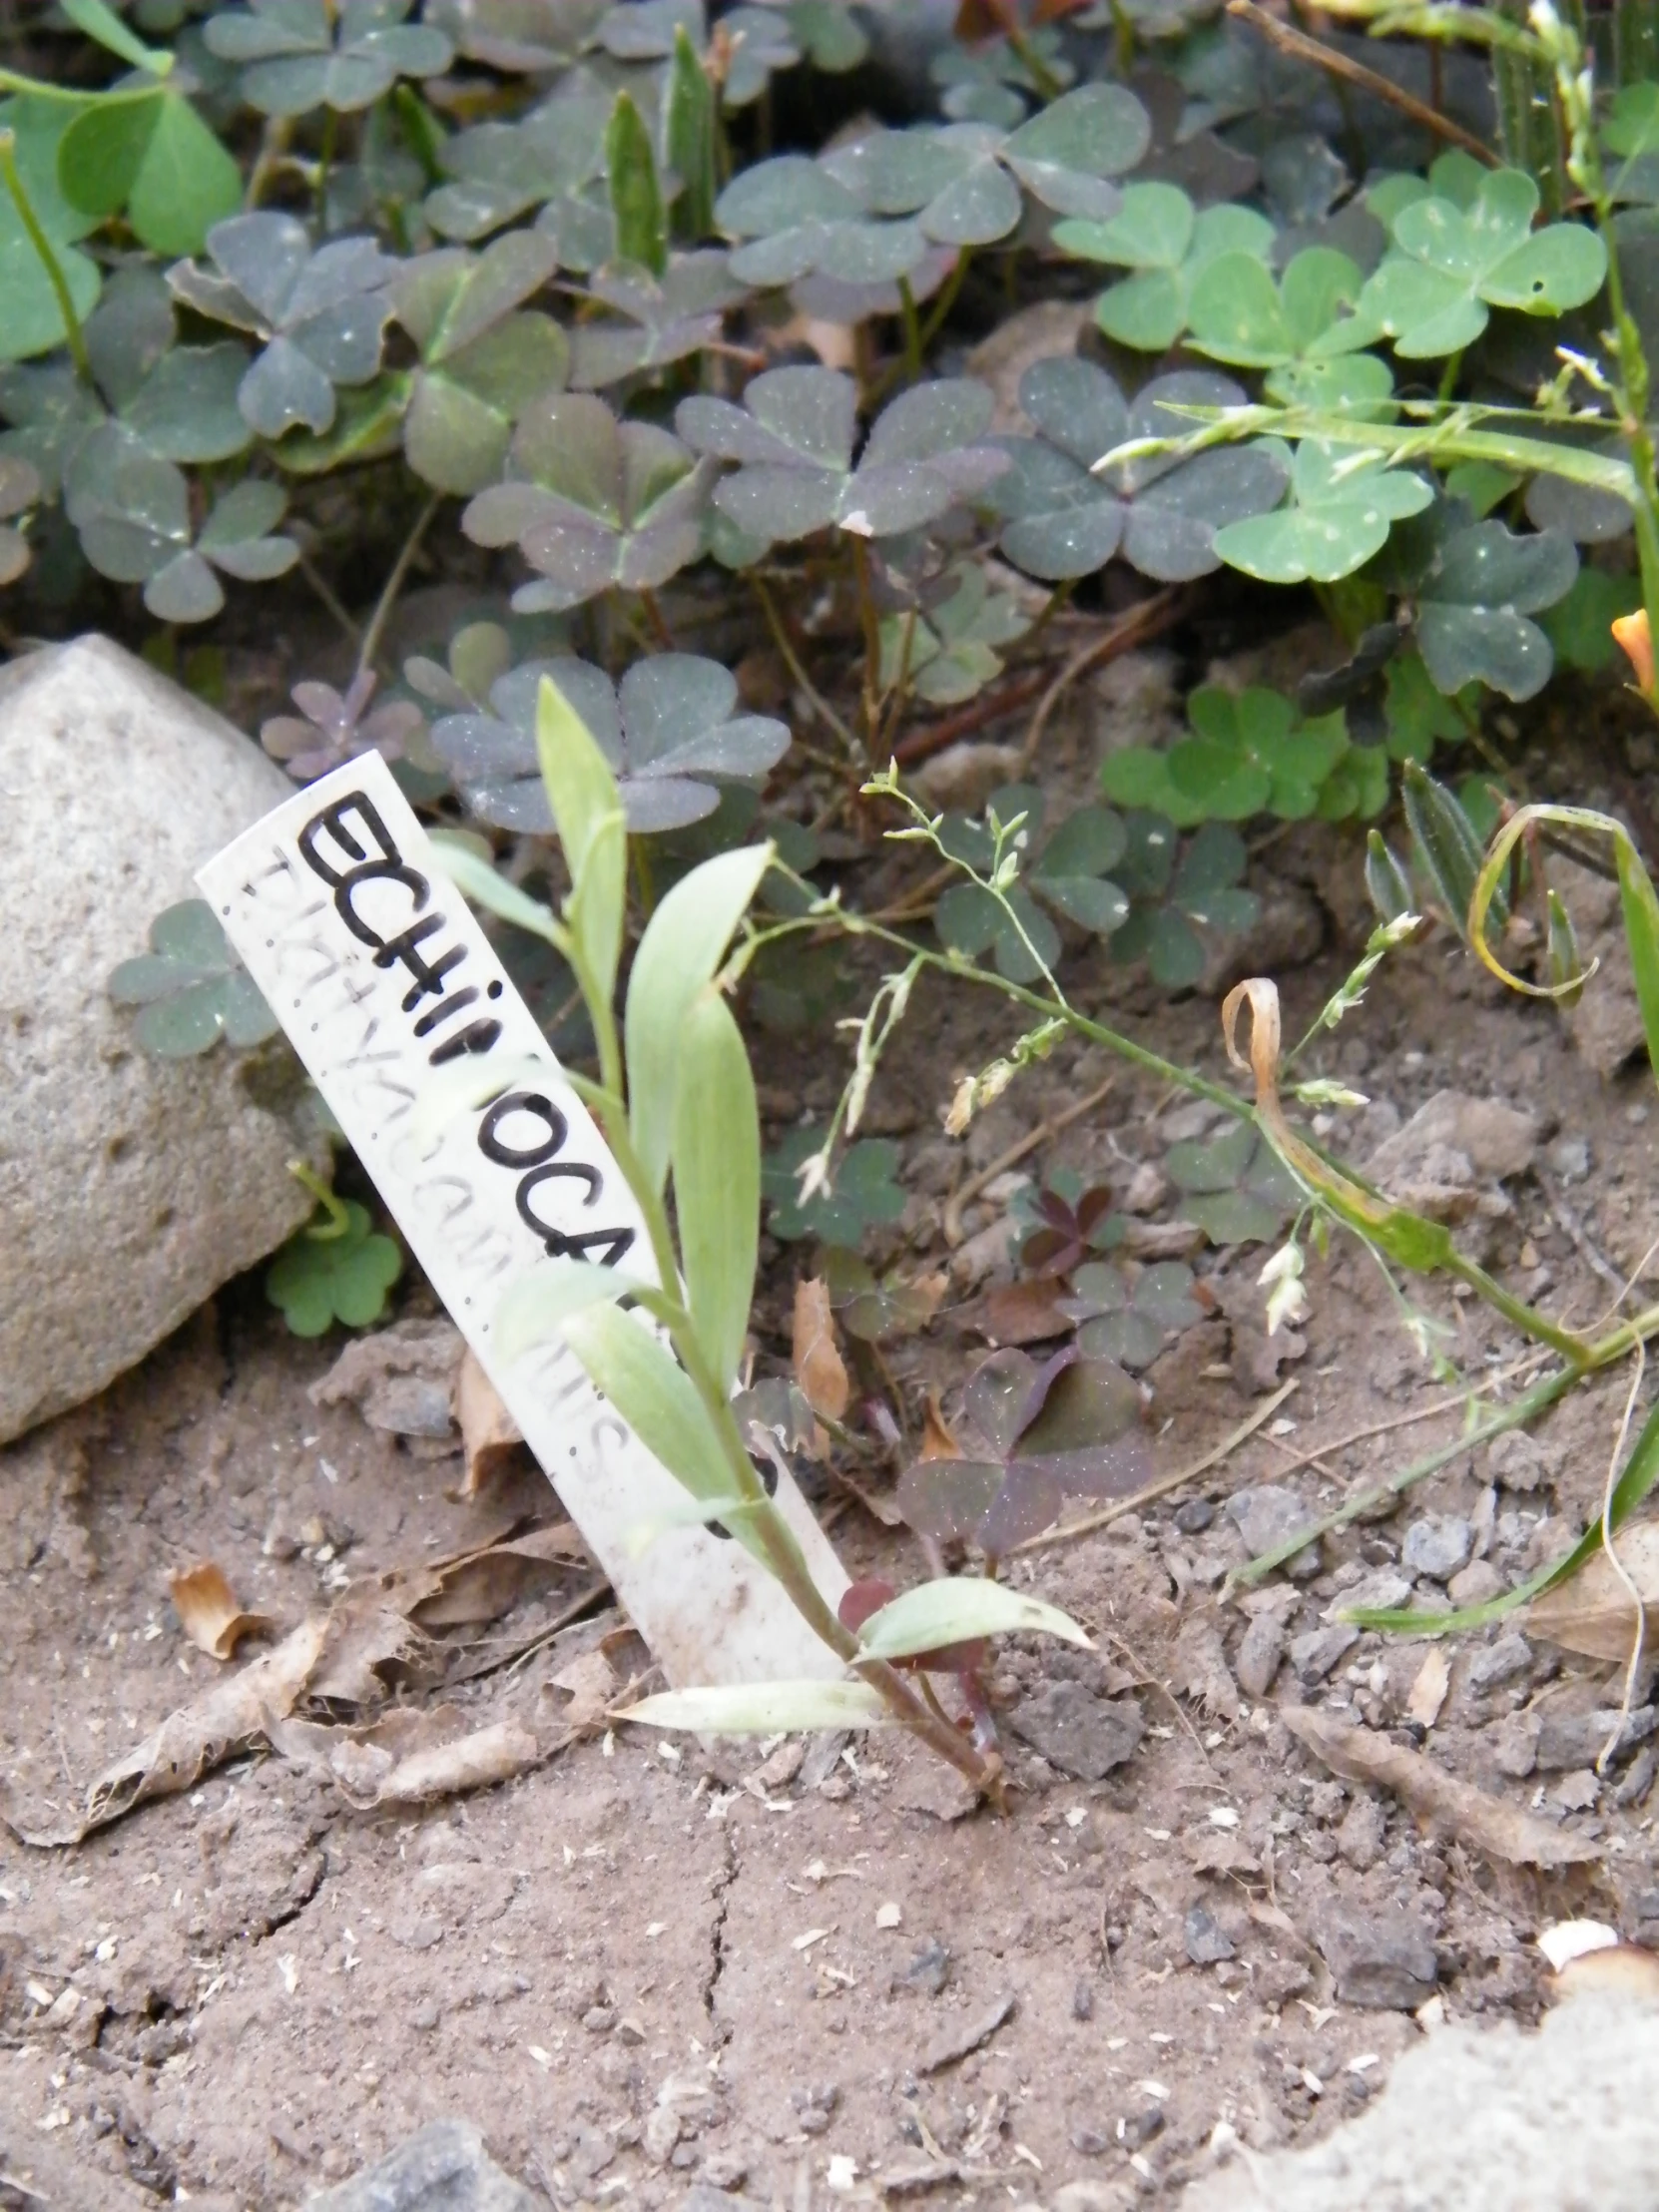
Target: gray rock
1084, 1735
445, 2168
131, 1187
1260, 1648
399, 1378
1639, 1780
1382, 1961
1315, 1654
1363, 1834
1514, 1742
1266, 1516
1568, 1158
1485, 2118
1206, 1944
1505, 1661
1567, 1741
1494, 1139
1376, 1593
1475, 1584
1437, 1545
1195, 1516
1522, 1463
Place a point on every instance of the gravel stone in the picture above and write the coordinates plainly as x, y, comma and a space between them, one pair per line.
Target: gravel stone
1386, 1963
1206, 1944
1260, 1648
1475, 1584
444, 2168
1570, 1740
1505, 1661
1084, 1735
1362, 1838
1522, 1463
1266, 1516
1437, 1545
1195, 1516
1315, 1654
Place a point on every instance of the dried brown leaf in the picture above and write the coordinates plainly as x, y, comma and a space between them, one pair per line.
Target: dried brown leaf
1434, 1679
818, 1367
490, 1437
1453, 1807
1593, 1612
190, 1743
1027, 1313
480, 1586
208, 1610
936, 1440
591, 1685
411, 1758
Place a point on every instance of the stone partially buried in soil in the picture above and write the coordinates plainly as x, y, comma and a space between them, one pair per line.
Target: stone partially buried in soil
1377, 1960
445, 2168
1084, 1735
131, 1187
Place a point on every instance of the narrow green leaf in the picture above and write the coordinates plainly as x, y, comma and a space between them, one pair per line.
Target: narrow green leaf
636, 193
689, 126
677, 956
956, 1608
764, 1708
654, 1396
1566, 963
486, 886
1447, 846
101, 22
593, 830
1641, 1471
1386, 881
540, 1303
1641, 929
695, 1513
716, 1180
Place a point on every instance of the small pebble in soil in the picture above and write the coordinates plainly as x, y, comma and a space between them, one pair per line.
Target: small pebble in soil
1386, 1962
1568, 1158
1195, 1516
1437, 1545
1500, 1663
1082, 2000
1084, 1735
929, 1970
1266, 1516
1569, 1740
424, 2015
1260, 1648
1315, 1654
814, 2105
1136, 2129
1363, 1834
1206, 1942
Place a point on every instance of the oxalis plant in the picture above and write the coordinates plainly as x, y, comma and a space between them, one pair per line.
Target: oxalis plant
675, 1099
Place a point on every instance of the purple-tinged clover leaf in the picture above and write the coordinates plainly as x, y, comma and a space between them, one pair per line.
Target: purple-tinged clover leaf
593, 503
668, 732
1126, 1321
1161, 515
321, 313
296, 55
794, 438
654, 322
333, 727
1029, 1435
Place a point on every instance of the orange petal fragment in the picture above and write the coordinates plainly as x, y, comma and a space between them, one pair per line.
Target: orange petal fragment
1633, 634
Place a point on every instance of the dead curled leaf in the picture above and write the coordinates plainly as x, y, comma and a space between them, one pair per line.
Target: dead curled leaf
1593, 1612
1453, 1807
410, 1758
490, 1437
818, 1367
208, 1611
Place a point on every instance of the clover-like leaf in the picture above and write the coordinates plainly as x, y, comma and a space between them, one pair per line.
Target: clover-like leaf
1129, 1318
1160, 514
20, 488
321, 313
1070, 1221
190, 987
131, 509
1172, 898
861, 1192
1234, 1186
320, 1277
1301, 329
666, 730
995, 82
794, 438
552, 160
593, 503
1250, 753
518, 36
949, 653
1452, 264
1473, 599
1341, 507
877, 1308
156, 159
296, 55
1030, 1436
484, 360
869, 211
31, 320
654, 321
1579, 627
333, 727
1167, 242
756, 41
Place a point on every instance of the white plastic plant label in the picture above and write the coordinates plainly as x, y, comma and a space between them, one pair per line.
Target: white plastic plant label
380, 974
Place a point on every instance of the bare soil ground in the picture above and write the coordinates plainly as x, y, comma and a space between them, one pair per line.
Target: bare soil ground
641, 1967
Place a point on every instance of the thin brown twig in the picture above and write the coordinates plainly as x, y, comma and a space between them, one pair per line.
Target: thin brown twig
1377, 1429
1165, 1482
1291, 40
1050, 1126
1148, 619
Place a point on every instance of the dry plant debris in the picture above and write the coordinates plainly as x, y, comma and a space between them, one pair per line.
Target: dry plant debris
208, 1610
